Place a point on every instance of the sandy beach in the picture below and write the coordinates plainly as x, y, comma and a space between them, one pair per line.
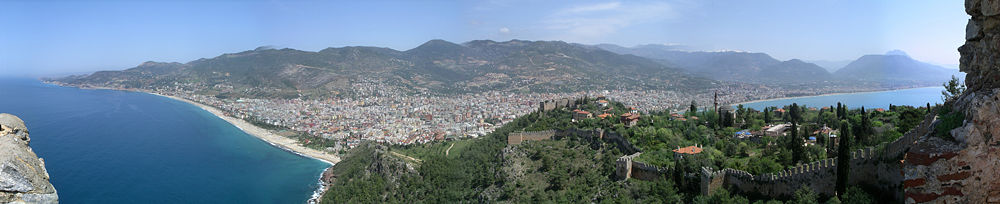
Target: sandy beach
269, 137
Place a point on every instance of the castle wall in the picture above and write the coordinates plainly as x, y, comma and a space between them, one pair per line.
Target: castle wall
516, 138
877, 167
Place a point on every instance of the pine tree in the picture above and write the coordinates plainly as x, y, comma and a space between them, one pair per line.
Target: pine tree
843, 157
795, 143
694, 108
840, 114
767, 115
864, 136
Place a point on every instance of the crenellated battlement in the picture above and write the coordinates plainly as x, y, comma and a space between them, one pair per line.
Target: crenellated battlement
515, 138
876, 166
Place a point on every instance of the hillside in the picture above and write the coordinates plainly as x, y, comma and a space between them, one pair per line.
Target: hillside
571, 154
728, 65
435, 67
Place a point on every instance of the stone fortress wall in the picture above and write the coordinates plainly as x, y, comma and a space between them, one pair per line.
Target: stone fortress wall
516, 138
876, 166
554, 104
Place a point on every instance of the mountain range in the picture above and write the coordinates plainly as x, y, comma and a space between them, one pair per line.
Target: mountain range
895, 66
435, 67
442, 67
892, 67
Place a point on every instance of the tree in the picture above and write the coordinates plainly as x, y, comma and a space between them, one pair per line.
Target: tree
855, 195
865, 128
767, 115
795, 143
843, 157
805, 195
952, 88
840, 111
694, 108
795, 112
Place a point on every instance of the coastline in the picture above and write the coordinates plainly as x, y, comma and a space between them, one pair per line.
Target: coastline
285, 143
829, 94
269, 137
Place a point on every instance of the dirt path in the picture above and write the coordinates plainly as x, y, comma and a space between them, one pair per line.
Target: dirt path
449, 149
406, 157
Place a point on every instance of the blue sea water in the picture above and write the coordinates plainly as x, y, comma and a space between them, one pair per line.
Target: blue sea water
105, 146
912, 97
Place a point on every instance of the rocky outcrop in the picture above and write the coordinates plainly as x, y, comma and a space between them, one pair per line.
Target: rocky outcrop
965, 168
23, 178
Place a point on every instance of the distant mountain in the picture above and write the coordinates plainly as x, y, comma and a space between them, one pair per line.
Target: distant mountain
895, 66
830, 65
435, 67
795, 71
728, 65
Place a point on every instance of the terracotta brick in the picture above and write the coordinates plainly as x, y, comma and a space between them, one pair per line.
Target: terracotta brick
926, 159
922, 197
952, 191
954, 176
914, 182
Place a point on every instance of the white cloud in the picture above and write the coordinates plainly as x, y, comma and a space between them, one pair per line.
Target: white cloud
590, 22
504, 30
592, 7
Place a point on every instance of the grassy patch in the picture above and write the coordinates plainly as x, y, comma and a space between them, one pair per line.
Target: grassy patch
950, 119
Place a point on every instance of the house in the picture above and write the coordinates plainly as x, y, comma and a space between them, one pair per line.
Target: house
579, 115
779, 112
603, 116
688, 151
630, 119
602, 103
777, 130
823, 131
742, 134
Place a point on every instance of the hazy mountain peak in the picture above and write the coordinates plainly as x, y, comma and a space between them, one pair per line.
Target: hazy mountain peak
437, 44
896, 52
265, 47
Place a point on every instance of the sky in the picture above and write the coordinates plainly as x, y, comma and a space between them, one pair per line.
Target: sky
48, 38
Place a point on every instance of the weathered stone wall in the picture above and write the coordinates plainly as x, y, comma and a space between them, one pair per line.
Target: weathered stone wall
646, 172
965, 170
554, 104
516, 138
23, 177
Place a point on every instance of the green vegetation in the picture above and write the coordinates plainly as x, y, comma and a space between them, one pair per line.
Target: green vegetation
843, 158
952, 88
950, 119
574, 169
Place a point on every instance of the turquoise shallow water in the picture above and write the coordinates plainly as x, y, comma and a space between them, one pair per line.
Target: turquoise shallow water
104, 146
912, 97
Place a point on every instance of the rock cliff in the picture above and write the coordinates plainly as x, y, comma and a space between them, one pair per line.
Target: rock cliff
23, 178
964, 167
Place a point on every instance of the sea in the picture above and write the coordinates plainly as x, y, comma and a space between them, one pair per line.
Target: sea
917, 97
107, 146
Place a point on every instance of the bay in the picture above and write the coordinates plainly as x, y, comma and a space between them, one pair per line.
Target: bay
880, 99
106, 146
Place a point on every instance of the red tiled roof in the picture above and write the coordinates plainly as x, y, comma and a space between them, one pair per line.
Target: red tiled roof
688, 150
